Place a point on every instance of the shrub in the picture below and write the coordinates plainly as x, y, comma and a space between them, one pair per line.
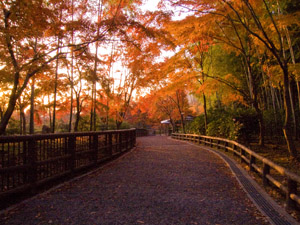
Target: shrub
197, 126
225, 126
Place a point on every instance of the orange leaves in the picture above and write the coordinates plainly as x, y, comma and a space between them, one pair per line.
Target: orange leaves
295, 70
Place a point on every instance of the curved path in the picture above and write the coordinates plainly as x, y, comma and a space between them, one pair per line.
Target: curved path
162, 181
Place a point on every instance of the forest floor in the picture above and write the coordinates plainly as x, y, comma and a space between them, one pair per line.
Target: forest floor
278, 153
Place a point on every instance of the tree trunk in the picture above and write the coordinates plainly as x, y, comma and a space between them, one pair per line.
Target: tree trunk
92, 111
31, 122
55, 90
173, 125
10, 109
72, 71
22, 115
288, 123
118, 124
182, 123
77, 114
205, 112
261, 125
295, 130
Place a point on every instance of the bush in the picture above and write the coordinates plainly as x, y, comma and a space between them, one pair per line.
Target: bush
225, 126
197, 126
13, 127
248, 120
274, 122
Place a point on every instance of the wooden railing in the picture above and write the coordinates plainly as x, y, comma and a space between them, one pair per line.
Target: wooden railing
29, 161
272, 174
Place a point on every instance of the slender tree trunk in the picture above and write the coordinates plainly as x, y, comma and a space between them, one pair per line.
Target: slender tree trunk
172, 124
72, 72
55, 89
118, 124
295, 130
205, 112
21, 122
22, 115
287, 128
77, 113
92, 111
182, 123
107, 113
31, 122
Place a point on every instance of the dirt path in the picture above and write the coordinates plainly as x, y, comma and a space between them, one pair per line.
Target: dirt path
161, 182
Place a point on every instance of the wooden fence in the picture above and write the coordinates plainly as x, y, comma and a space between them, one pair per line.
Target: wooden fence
29, 161
272, 174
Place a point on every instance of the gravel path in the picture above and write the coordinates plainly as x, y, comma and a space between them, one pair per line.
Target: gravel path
161, 182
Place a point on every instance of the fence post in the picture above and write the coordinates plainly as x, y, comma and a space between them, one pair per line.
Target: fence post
242, 151
225, 146
95, 148
252, 161
72, 151
25, 161
120, 142
291, 189
110, 146
32, 160
234, 149
127, 140
134, 138
266, 171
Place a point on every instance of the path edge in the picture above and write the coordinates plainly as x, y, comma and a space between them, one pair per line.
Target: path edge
274, 204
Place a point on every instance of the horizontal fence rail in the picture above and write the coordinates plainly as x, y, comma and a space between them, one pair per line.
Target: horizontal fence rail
272, 174
31, 160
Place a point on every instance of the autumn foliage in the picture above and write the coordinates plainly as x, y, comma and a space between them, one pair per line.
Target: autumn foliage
98, 64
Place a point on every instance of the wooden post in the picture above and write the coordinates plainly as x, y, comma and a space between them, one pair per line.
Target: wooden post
110, 147
134, 138
234, 149
25, 161
225, 146
120, 142
291, 189
95, 148
72, 151
242, 151
252, 161
32, 160
266, 171
127, 140
218, 144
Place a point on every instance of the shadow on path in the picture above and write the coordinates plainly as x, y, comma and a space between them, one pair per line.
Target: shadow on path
160, 182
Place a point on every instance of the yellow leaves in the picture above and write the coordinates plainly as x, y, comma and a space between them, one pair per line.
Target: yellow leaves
274, 73
295, 70
232, 97
209, 87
